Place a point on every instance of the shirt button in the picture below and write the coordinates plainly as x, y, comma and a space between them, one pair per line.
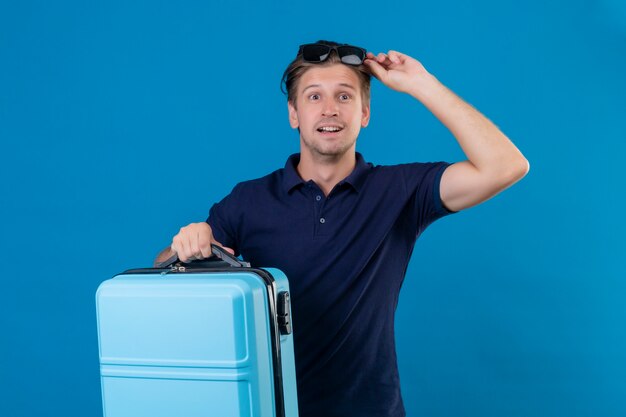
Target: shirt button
318, 198
322, 220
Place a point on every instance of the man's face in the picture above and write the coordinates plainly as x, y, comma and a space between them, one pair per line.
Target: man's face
329, 110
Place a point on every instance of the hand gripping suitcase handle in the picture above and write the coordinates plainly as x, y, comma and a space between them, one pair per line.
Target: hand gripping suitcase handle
215, 250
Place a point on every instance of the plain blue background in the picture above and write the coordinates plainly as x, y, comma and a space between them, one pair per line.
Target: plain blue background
122, 121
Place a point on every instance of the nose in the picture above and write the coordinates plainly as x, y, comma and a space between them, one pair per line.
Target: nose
330, 108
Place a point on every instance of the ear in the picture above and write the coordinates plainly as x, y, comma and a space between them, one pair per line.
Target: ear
365, 116
293, 115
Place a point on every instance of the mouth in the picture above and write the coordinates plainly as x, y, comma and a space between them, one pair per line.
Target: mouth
329, 129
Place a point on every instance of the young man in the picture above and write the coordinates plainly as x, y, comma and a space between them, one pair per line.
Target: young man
343, 230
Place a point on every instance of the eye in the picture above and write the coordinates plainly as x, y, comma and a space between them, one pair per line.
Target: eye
314, 96
344, 97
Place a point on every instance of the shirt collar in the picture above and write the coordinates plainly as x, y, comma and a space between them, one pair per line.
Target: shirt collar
291, 178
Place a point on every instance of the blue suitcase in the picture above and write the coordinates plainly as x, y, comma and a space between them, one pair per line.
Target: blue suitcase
197, 340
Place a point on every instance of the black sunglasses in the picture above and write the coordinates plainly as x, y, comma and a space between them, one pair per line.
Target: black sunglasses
318, 52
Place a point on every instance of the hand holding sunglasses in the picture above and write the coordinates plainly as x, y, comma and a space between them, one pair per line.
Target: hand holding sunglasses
396, 70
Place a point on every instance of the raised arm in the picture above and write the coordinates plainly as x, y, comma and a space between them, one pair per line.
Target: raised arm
493, 162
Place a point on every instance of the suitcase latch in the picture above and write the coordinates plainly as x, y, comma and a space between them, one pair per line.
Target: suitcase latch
283, 313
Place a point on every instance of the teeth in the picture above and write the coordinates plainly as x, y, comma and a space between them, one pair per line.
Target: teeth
329, 129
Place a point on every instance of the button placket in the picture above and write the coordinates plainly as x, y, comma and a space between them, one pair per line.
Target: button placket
320, 203
318, 198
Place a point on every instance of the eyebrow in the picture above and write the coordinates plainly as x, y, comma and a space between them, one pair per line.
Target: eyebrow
318, 85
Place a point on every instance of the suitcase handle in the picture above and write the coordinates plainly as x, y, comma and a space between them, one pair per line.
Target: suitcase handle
216, 250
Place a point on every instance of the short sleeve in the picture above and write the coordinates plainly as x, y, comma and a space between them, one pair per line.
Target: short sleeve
423, 182
222, 219
440, 209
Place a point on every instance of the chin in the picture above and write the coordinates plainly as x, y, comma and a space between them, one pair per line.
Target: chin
336, 151
326, 147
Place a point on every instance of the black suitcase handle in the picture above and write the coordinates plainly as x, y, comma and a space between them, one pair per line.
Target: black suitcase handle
216, 250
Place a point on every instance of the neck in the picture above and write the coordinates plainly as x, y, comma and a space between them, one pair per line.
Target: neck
326, 171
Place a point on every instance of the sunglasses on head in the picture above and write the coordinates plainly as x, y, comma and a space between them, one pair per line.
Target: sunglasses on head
318, 52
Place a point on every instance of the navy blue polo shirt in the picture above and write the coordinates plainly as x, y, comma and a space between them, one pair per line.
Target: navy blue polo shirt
345, 255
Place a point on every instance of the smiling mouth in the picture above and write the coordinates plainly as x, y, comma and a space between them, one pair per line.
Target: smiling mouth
329, 129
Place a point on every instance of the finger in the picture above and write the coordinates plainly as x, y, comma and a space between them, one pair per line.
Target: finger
205, 251
381, 58
377, 70
387, 62
395, 57
400, 54
184, 254
173, 248
185, 248
177, 246
204, 246
194, 245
